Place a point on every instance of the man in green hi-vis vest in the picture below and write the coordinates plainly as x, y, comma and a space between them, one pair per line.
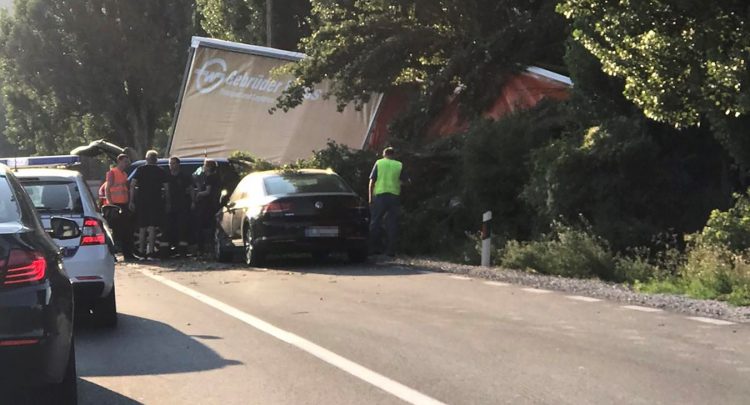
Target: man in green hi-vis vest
385, 190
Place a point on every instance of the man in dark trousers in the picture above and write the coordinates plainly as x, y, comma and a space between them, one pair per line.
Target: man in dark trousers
207, 203
180, 196
117, 193
148, 202
384, 196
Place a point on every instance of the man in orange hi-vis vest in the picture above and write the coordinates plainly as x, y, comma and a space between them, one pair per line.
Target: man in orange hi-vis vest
117, 192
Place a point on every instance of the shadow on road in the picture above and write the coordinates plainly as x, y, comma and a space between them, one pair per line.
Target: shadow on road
90, 393
140, 346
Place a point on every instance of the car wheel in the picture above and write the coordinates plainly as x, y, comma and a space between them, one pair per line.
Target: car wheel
357, 255
105, 310
220, 253
253, 256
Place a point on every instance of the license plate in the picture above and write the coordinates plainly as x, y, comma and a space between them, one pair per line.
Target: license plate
322, 232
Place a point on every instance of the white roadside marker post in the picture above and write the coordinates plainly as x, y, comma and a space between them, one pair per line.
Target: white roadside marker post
486, 238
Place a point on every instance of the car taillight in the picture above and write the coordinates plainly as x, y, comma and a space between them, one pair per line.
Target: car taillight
18, 342
277, 207
24, 267
93, 232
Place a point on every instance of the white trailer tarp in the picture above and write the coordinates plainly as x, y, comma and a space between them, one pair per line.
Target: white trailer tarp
225, 102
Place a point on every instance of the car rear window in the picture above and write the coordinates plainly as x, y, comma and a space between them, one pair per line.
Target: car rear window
9, 210
54, 197
301, 183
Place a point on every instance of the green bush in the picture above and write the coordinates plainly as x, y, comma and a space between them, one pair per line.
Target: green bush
574, 257
256, 164
571, 252
353, 165
436, 218
723, 273
716, 264
709, 270
629, 180
634, 268
730, 228
495, 161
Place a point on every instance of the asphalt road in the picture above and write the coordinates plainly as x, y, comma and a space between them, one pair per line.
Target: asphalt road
339, 334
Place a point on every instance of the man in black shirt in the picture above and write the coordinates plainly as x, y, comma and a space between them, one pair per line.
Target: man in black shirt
180, 198
147, 200
207, 203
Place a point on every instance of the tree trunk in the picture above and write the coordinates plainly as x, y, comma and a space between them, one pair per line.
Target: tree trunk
269, 23
141, 132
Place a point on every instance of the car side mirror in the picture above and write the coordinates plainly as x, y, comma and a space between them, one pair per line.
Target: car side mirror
63, 228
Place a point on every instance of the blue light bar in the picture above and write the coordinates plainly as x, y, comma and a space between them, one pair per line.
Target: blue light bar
41, 161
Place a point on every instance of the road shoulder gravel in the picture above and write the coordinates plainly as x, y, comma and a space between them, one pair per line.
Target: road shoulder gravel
585, 287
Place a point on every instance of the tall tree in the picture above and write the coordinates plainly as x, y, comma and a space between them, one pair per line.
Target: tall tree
246, 21
115, 63
367, 46
683, 62
37, 124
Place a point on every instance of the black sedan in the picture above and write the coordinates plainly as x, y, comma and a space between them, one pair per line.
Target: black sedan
37, 354
311, 211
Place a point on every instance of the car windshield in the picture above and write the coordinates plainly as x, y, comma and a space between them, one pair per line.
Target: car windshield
302, 183
9, 211
54, 197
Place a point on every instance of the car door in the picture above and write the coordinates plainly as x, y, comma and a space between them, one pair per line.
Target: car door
233, 211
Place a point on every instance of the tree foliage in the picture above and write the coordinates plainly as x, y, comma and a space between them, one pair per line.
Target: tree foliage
630, 177
496, 165
106, 66
368, 46
245, 21
682, 61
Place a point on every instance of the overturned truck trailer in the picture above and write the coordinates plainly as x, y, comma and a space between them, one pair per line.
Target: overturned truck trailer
224, 104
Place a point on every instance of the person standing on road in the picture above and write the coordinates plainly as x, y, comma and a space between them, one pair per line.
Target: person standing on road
180, 196
148, 202
384, 197
207, 203
116, 193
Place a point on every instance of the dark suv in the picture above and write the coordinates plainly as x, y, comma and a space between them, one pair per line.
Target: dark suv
230, 170
37, 353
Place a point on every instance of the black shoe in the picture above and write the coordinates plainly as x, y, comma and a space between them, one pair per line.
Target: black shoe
130, 258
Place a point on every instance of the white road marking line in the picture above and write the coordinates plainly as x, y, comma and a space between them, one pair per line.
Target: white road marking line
711, 320
496, 284
582, 298
384, 383
642, 309
460, 278
536, 290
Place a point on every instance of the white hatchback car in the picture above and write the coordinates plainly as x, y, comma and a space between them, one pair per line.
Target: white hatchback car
88, 256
